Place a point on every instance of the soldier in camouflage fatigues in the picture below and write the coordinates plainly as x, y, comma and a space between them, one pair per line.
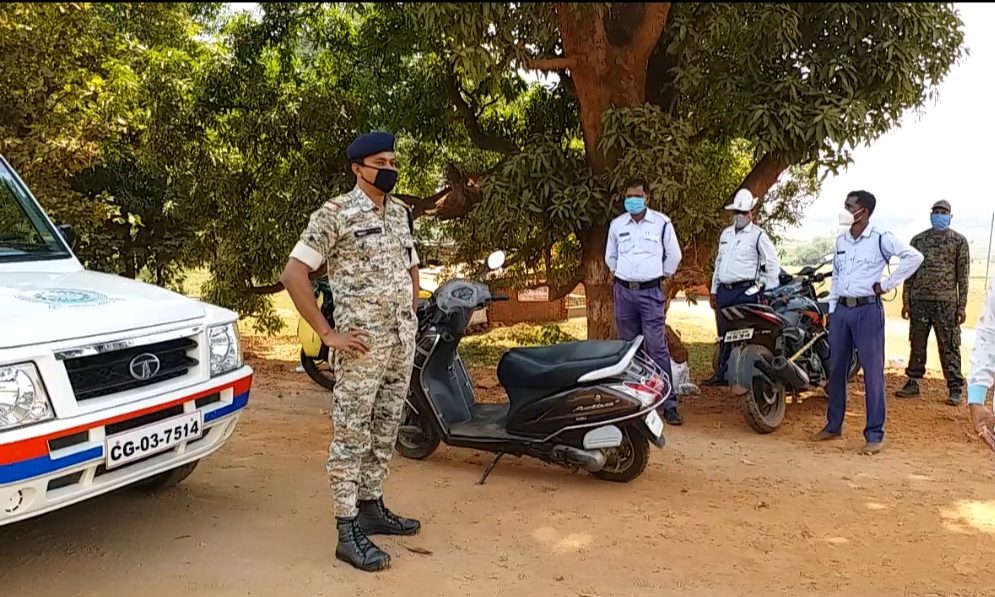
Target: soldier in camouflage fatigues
372, 268
935, 297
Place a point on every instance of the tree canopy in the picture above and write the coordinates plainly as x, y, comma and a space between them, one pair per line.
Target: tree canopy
182, 135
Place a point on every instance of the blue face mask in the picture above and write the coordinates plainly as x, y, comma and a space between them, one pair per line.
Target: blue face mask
940, 222
635, 205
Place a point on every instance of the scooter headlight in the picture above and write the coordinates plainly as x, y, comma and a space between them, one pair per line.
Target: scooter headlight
23, 400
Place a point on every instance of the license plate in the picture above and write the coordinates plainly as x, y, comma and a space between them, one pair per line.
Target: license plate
654, 422
152, 439
739, 335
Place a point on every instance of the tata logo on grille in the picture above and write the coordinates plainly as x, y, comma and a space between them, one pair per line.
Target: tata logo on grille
144, 366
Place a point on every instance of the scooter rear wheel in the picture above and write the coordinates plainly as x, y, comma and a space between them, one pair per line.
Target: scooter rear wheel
627, 461
416, 439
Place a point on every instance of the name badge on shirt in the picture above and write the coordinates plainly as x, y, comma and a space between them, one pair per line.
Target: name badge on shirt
368, 232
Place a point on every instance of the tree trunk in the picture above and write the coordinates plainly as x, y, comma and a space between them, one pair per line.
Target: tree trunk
608, 58
598, 289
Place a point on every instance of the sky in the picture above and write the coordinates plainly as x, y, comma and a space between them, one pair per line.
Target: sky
937, 154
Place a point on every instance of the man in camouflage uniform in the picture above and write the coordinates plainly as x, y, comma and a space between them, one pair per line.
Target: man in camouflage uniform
364, 239
935, 297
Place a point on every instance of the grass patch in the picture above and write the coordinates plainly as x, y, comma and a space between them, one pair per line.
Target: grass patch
485, 350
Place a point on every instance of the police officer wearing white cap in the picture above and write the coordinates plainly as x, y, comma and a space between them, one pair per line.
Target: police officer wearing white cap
746, 258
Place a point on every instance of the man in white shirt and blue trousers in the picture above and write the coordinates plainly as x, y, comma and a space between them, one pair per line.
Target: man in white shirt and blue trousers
745, 257
857, 314
643, 250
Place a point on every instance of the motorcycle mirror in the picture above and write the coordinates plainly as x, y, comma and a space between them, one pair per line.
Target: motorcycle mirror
495, 260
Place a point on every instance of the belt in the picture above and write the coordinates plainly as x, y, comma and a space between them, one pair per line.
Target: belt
639, 285
850, 301
736, 285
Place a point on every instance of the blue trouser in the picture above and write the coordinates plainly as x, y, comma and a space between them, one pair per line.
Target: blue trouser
861, 326
641, 312
726, 297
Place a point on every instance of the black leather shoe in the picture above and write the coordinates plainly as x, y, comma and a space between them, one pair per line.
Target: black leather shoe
673, 417
376, 519
356, 549
715, 382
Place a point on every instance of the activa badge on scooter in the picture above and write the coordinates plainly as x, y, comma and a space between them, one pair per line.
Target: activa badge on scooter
584, 404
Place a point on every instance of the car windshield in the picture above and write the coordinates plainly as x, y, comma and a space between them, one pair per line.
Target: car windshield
25, 234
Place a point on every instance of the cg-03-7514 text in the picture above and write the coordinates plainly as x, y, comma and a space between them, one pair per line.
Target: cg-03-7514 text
152, 439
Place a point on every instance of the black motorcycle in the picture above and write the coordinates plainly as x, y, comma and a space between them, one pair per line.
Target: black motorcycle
586, 404
779, 346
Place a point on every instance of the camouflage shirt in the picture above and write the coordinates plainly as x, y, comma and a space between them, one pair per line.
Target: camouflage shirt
943, 275
369, 257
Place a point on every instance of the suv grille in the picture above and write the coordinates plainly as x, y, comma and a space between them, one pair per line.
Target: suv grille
120, 370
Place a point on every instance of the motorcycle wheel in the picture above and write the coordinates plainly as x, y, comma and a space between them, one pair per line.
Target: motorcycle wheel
627, 461
763, 406
854, 366
319, 370
416, 439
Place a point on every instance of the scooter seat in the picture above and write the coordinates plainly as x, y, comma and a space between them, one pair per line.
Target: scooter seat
530, 374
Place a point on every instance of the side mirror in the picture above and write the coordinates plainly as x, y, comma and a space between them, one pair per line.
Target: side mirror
823, 294
495, 260
806, 271
68, 234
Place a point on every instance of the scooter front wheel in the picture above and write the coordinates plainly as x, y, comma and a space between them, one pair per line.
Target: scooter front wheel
627, 461
319, 369
416, 439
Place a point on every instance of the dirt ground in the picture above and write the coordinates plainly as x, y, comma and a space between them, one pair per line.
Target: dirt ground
720, 512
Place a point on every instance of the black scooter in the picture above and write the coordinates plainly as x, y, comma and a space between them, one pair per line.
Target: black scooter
585, 404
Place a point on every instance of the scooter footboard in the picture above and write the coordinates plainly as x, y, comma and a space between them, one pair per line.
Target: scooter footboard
747, 361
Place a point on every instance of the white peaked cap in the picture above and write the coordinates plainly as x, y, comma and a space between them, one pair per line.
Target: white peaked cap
742, 201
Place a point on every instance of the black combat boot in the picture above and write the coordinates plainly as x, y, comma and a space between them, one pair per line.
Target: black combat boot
355, 548
375, 519
910, 390
954, 397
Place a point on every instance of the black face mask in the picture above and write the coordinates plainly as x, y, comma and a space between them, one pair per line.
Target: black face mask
385, 179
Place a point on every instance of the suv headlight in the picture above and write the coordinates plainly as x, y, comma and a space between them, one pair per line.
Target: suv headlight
23, 399
226, 351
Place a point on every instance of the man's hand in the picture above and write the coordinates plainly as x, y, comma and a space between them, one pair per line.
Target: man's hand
877, 289
961, 316
906, 314
984, 422
351, 342
713, 301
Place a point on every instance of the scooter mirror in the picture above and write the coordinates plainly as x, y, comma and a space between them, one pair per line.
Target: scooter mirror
495, 260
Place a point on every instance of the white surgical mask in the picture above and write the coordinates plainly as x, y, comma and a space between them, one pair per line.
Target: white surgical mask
740, 221
846, 219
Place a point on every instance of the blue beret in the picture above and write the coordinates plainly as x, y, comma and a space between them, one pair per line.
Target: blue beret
369, 144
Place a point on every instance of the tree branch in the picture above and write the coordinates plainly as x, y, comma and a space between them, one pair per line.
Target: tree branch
278, 287
648, 35
472, 125
551, 64
764, 175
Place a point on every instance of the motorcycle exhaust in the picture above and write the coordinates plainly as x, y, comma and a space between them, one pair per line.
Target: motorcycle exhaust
592, 460
790, 373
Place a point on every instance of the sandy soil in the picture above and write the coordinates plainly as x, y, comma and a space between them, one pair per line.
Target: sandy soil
720, 512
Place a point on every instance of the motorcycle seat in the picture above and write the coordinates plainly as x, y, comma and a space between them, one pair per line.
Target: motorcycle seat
530, 374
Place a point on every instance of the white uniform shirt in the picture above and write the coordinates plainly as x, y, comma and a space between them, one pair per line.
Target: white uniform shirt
983, 354
740, 256
642, 251
858, 264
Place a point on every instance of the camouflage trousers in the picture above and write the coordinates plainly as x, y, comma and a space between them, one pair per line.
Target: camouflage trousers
366, 412
941, 317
